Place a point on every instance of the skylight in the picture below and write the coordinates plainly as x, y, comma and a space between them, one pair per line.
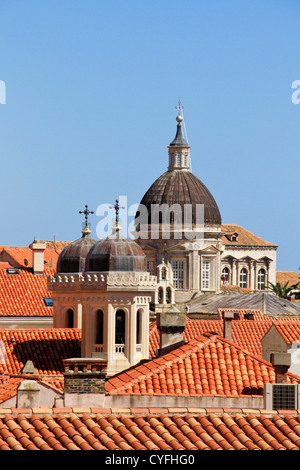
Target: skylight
12, 271
48, 301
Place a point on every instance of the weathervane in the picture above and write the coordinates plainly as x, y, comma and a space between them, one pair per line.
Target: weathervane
86, 213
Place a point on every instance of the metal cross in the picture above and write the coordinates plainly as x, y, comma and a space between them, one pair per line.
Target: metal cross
117, 208
86, 212
179, 108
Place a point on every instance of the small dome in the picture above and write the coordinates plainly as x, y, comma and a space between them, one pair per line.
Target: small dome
72, 258
116, 253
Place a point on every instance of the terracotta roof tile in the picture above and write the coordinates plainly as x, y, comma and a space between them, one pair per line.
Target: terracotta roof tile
287, 276
22, 294
204, 366
245, 333
244, 237
46, 348
222, 431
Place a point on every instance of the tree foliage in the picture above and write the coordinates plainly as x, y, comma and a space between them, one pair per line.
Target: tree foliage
284, 290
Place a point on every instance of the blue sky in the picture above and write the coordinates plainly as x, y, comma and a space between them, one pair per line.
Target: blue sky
91, 90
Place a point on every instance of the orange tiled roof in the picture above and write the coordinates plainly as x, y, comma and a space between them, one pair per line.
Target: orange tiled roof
46, 348
207, 364
247, 334
9, 385
146, 430
244, 238
21, 256
22, 294
204, 366
287, 276
242, 313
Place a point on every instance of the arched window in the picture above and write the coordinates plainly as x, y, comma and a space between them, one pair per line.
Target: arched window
225, 275
178, 159
164, 273
243, 278
120, 327
99, 327
160, 295
169, 295
185, 159
70, 318
139, 315
261, 279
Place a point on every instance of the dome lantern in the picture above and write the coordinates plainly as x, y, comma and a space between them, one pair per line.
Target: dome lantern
179, 149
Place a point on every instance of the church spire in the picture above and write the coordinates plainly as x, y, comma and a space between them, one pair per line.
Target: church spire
179, 153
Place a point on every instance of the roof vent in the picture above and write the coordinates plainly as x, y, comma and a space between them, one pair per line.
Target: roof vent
28, 368
249, 315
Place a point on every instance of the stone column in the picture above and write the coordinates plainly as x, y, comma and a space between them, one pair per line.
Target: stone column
132, 333
110, 332
252, 275
78, 322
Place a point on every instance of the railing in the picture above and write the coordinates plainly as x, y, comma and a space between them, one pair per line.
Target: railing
120, 348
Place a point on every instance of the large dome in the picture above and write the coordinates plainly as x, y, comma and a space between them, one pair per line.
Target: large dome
178, 186
182, 187
116, 253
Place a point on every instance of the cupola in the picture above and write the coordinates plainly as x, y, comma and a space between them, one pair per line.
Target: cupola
72, 258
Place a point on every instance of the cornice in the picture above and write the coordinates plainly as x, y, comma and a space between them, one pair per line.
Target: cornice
101, 281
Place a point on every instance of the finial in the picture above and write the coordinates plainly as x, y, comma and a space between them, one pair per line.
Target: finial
181, 136
179, 108
117, 207
86, 212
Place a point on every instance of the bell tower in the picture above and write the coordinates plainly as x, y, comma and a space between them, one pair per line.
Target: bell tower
114, 291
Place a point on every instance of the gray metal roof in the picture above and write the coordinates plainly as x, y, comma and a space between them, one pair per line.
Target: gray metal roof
266, 302
179, 140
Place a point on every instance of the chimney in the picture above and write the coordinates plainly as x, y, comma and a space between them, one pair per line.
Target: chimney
227, 326
281, 363
28, 394
84, 382
38, 249
171, 325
